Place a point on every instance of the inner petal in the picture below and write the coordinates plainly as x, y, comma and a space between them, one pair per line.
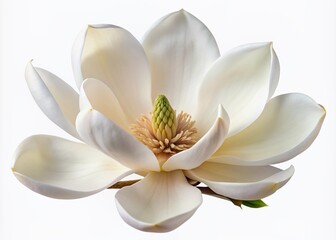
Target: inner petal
115, 57
95, 94
180, 49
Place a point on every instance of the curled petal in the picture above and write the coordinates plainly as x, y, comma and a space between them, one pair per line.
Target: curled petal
242, 82
57, 100
239, 182
160, 202
97, 95
99, 131
180, 48
112, 55
59, 168
288, 126
204, 148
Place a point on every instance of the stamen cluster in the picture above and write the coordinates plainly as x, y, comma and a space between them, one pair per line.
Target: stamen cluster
165, 133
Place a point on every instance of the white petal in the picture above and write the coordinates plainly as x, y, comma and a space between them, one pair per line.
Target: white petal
242, 183
160, 202
275, 74
57, 99
287, 127
242, 82
76, 56
97, 95
180, 48
112, 55
97, 130
204, 148
59, 168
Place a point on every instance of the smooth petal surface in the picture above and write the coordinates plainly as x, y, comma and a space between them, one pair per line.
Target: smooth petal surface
111, 54
287, 127
180, 49
99, 131
59, 168
242, 82
204, 148
97, 95
57, 99
159, 203
242, 183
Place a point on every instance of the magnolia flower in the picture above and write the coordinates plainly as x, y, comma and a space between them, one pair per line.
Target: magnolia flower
172, 110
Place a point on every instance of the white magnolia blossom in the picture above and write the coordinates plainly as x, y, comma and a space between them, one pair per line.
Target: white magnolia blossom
214, 121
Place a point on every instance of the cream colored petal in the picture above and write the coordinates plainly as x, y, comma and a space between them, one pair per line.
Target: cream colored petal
112, 55
57, 100
99, 131
239, 182
97, 95
160, 202
59, 168
287, 127
242, 82
180, 48
204, 148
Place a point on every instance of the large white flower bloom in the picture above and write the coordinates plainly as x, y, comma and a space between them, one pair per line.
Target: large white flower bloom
220, 125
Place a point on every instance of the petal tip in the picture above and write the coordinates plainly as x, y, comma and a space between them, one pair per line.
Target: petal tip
323, 109
291, 169
29, 65
101, 26
181, 11
265, 45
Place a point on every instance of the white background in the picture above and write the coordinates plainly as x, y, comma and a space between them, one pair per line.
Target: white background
304, 38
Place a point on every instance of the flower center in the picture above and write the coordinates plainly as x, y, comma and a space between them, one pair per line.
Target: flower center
165, 133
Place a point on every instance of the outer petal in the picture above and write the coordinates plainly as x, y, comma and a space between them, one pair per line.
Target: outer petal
97, 130
204, 148
112, 55
159, 203
243, 183
180, 48
57, 100
287, 127
59, 168
242, 82
97, 95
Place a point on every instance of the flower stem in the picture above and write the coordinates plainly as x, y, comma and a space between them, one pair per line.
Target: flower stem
122, 184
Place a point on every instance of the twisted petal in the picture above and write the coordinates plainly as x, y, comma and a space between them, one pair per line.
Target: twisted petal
287, 127
242, 82
97, 95
204, 148
112, 55
99, 131
57, 100
180, 49
59, 168
238, 182
159, 203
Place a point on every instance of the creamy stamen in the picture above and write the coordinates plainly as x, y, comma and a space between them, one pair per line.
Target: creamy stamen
165, 133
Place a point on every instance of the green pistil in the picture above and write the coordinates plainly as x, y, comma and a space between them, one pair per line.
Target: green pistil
163, 119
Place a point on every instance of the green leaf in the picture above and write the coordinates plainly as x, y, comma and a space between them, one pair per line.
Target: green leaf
254, 203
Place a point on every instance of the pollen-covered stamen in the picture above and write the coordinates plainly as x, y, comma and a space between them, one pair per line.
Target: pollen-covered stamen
166, 133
